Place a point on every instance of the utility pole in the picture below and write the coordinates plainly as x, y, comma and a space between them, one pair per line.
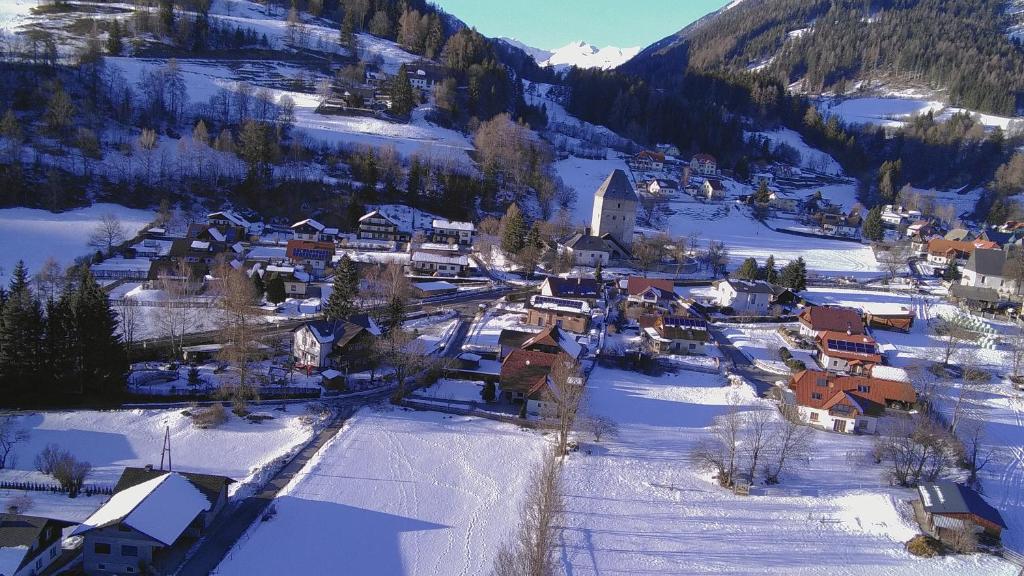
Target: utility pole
166, 450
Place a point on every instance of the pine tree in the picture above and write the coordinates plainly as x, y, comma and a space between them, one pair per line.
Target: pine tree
258, 285
488, 393
114, 37
403, 100
341, 303
275, 289
101, 363
21, 336
952, 272
872, 229
769, 273
599, 275
747, 270
59, 110
513, 230
763, 194
794, 275
395, 313
414, 183
801, 274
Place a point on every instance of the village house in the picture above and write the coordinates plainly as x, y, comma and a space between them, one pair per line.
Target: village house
513, 338
941, 251
28, 544
424, 76
960, 234
152, 516
434, 289
945, 509
676, 335
782, 203
990, 268
586, 250
340, 344
554, 340
314, 256
431, 264
580, 288
744, 296
228, 218
815, 320
377, 226
704, 164
766, 178
841, 225
122, 269
849, 404
662, 186
647, 161
896, 216
446, 231
847, 353
713, 189
572, 315
295, 281
526, 379
310, 229
650, 292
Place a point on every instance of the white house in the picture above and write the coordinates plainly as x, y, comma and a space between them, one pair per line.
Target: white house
704, 164
744, 296
450, 231
310, 229
989, 268
848, 404
586, 250
848, 353
28, 544
662, 186
713, 189
437, 264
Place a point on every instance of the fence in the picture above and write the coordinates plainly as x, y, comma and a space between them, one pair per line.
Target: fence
87, 490
429, 406
1015, 557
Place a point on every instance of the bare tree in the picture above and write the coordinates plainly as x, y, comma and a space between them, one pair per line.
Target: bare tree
10, 436
953, 333
600, 426
239, 319
129, 315
893, 257
405, 356
568, 387
758, 432
977, 453
529, 551
179, 312
916, 449
68, 471
790, 444
718, 453
50, 280
108, 233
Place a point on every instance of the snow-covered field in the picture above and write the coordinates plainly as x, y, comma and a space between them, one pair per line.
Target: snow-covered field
634, 505
761, 343
112, 440
896, 111
484, 331
585, 177
809, 157
34, 235
397, 492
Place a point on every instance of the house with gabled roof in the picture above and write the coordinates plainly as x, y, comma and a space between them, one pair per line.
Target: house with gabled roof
339, 344
676, 335
847, 353
310, 229
376, 225
990, 268
647, 161
744, 296
578, 287
845, 403
152, 514
526, 378
817, 319
554, 340
569, 314
944, 509
313, 255
29, 544
941, 251
704, 164
649, 292
445, 231
713, 189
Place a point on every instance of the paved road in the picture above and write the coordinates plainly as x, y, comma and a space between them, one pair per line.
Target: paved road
454, 346
761, 380
236, 520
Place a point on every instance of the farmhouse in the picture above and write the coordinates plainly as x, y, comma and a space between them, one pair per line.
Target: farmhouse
744, 296
847, 403
446, 231
817, 319
377, 226
713, 189
572, 315
647, 161
704, 164
676, 335
311, 254
151, 514
945, 509
28, 544
990, 268
852, 353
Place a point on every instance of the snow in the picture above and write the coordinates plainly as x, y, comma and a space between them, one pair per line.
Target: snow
54, 504
161, 508
484, 332
635, 502
448, 389
34, 235
896, 111
13, 14
397, 492
10, 559
809, 157
584, 55
761, 344
113, 440
585, 177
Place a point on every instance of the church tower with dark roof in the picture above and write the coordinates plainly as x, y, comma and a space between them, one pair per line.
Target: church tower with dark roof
615, 209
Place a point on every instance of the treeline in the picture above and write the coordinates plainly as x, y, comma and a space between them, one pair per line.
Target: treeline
58, 340
960, 45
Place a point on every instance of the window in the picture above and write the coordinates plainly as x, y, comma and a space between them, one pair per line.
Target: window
816, 395
814, 416
863, 388
101, 548
129, 569
101, 566
822, 382
127, 550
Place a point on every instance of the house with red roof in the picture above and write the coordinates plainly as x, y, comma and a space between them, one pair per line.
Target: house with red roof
704, 164
650, 292
817, 319
647, 161
849, 404
848, 353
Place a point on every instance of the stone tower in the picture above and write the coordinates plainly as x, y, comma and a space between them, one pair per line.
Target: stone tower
615, 209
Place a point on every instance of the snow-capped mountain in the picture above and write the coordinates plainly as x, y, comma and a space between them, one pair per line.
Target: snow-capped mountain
579, 54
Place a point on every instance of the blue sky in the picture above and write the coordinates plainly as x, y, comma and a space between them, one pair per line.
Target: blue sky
554, 23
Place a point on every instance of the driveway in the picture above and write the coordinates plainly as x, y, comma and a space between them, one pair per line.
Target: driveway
740, 364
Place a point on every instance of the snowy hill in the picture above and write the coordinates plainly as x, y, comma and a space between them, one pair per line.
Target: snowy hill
579, 54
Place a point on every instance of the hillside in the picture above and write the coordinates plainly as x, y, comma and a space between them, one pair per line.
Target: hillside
961, 48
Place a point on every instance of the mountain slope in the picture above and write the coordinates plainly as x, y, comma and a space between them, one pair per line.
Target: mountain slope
579, 54
959, 46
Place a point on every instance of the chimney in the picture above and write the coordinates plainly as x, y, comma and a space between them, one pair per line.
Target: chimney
586, 231
849, 329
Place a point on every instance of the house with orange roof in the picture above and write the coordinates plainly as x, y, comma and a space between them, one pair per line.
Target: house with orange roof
817, 319
848, 404
941, 251
847, 353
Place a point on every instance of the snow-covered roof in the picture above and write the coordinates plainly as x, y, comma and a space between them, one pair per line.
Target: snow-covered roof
442, 224
11, 558
199, 245
123, 264
439, 247
230, 217
309, 222
439, 258
280, 269
330, 373
435, 286
237, 247
216, 234
890, 373
161, 508
559, 304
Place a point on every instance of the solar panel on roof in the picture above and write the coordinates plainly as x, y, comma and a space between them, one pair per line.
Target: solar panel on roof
681, 322
560, 302
854, 347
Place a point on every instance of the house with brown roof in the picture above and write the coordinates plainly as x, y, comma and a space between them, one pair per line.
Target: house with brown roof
650, 292
704, 164
313, 255
570, 314
341, 344
847, 353
524, 372
945, 509
847, 403
647, 161
941, 251
676, 335
817, 319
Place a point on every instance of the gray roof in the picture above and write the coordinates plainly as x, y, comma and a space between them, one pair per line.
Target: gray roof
616, 186
975, 293
989, 262
580, 241
755, 287
952, 498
